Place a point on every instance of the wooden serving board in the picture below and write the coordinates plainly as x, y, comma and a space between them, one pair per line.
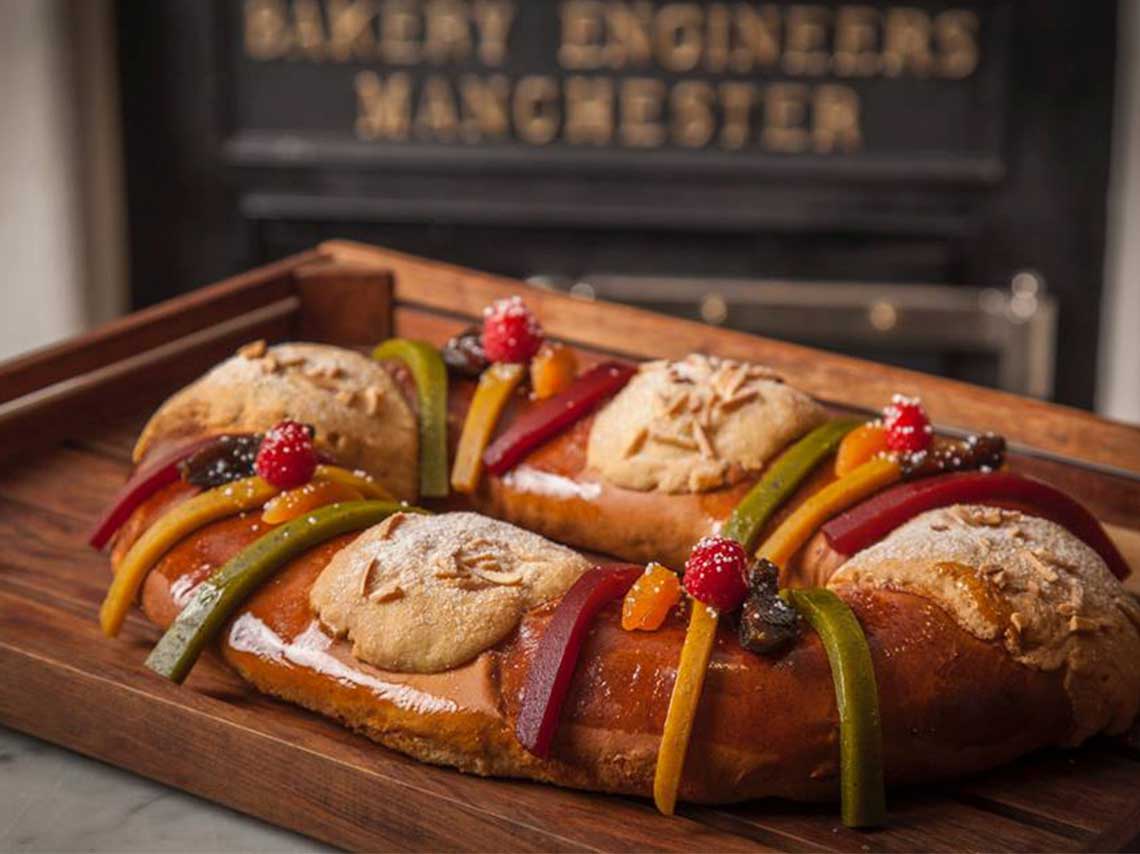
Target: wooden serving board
68, 418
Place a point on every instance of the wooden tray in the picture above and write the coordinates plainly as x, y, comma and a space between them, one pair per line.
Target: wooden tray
68, 417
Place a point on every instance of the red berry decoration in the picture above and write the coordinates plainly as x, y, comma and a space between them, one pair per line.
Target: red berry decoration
714, 573
510, 331
908, 427
287, 457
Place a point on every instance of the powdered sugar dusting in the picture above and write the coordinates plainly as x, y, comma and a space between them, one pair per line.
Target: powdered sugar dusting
1028, 584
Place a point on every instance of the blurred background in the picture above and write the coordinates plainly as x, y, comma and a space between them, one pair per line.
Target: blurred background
950, 186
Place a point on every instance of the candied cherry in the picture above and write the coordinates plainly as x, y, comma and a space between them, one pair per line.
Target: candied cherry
510, 332
287, 457
714, 573
908, 427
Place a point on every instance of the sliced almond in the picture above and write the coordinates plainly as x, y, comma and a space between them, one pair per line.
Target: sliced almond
366, 576
389, 525
674, 439
372, 397
637, 443
703, 442
389, 592
731, 404
497, 576
254, 349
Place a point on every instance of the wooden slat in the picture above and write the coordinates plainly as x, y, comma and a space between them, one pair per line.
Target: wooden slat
1068, 432
47, 414
348, 304
149, 328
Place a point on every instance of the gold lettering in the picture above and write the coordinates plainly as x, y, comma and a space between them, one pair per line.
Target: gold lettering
641, 99
906, 43
493, 20
383, 108
785, 111
581, 34
447, 36
856, 34
437, 117
759, 33
485, 106
535, 109
309, 39
835, 119
350, 29
678, 36
400, 31
589, 110
692, 116
266, 29
736, 100
956, 32
628, 41
806, 40
716, 37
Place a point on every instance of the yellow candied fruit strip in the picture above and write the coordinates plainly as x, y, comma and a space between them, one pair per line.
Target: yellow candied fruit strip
176, 524
369, 487
833, 499
695, 655
496, 385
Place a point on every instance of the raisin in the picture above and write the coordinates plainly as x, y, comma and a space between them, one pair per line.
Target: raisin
464, 354
226, 459
768, 624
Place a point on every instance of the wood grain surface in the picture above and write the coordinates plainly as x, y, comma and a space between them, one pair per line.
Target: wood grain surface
63, 681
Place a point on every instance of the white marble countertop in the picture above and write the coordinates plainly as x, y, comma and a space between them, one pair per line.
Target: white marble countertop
55, 800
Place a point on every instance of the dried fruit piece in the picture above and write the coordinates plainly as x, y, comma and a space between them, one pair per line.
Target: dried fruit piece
296, 502
463, 354
985, 452
495, 388
552, 370
225, 459
768, 624
510, 332
863, 443
287, 457
430, 373
650, 599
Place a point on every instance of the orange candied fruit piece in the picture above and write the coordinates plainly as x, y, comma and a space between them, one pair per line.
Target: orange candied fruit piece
314, 494
648, 602
552, 369
860, 445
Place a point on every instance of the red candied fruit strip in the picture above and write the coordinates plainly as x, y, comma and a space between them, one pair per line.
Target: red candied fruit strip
143, 483
552, 668
876, 517
547, 419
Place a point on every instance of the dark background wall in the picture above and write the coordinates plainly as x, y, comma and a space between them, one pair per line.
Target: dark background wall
235, 156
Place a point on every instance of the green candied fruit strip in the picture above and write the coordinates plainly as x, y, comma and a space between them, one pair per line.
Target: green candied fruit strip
220, 595
782, 478
430, 374
857, 695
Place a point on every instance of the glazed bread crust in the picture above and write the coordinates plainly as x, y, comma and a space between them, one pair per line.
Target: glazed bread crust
553, 492
951, 704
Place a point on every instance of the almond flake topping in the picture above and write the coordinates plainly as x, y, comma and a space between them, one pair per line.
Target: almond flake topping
254, 349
